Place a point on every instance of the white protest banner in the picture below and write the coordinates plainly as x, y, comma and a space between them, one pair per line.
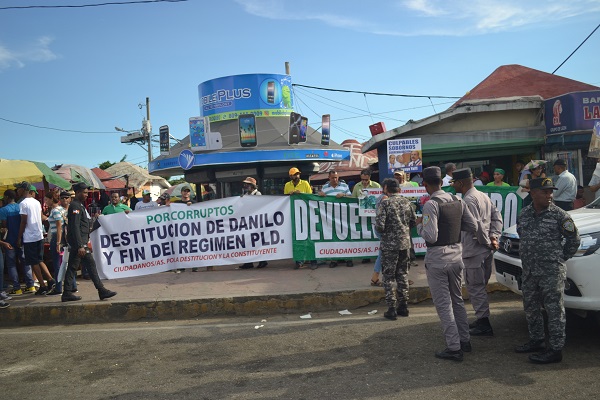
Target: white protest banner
220, 232
367, 202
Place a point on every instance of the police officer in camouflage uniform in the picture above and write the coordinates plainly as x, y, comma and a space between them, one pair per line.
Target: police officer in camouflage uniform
542, 226
393, 220
444, 217
477, 250
78, 236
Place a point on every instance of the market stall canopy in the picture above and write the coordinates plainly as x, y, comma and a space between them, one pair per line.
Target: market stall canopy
175, 191
138, 176
351, 167
111, 182
77, 173
15, 171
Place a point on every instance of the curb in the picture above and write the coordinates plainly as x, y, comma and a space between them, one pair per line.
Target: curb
164, 310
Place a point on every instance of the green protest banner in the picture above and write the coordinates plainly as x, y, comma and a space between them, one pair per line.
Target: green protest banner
505, 198
328, 228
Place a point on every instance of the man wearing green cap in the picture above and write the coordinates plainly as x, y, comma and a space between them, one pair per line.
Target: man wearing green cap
542, 228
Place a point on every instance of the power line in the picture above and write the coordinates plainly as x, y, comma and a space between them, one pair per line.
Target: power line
46, 127
561, 64
374, 93
94, 5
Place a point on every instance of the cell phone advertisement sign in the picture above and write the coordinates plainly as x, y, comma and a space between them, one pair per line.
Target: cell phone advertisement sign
263, 95
197, 134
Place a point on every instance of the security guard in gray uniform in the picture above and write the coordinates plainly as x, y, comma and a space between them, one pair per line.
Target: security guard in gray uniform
78, 236
444, 216
478, 250
542, 228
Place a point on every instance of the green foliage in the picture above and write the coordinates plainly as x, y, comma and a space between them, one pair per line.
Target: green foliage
108, 164
176, 180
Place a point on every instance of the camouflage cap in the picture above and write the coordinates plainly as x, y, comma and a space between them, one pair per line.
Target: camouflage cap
541, 183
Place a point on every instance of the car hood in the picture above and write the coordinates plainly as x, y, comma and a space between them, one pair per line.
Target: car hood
587, 221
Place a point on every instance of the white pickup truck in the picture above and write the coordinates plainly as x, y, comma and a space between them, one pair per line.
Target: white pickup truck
582, 288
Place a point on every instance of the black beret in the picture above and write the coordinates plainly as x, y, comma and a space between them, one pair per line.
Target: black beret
560, 161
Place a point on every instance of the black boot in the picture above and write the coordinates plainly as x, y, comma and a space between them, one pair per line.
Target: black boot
466, 347
104, 293
402, 310
447, 354
391, 314
247, 266
547, 357
68, 296
531, 346
482, 328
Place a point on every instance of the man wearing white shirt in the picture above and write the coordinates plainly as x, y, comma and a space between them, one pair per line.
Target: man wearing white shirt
595, 181
146, 202
450, 168
566, 185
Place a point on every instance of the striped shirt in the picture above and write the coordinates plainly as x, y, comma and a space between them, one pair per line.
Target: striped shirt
333, 191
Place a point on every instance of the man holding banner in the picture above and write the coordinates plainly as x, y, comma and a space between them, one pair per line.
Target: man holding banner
393, 220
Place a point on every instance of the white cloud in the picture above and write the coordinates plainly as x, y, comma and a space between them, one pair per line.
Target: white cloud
426, 7
39, 51
425, 17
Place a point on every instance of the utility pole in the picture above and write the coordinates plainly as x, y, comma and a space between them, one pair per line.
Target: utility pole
148, 129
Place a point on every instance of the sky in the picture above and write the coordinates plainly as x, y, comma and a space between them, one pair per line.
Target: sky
69, 76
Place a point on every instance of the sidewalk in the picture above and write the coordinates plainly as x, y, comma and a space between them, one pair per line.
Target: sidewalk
278, 288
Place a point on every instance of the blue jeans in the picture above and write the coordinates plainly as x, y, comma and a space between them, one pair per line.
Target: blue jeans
56, 261
11, 263
378, 263
1, 270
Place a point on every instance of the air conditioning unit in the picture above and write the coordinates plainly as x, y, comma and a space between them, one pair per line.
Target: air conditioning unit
132, 137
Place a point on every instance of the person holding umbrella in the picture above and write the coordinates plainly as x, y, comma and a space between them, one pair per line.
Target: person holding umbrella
534, 169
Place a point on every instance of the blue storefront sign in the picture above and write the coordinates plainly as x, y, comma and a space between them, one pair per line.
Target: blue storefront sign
264, 95
572, 112
184, 161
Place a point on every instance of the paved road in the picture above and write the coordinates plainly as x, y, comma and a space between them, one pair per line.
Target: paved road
330, 356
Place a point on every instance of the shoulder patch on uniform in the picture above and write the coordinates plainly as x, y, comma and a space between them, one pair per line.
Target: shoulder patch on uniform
425, 219
75, 211
568, 225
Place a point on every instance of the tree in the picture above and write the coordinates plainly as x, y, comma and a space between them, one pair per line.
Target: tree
108, 164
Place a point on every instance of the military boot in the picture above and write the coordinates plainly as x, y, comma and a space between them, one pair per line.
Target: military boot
531, 346
547, 357
391, 314
482, 328
402, 310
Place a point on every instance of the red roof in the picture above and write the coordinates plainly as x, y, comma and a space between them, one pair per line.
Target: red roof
108, 180
516, 81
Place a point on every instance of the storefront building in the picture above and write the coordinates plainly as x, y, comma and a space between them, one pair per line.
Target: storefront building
569, 121
495, 124
247, 128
